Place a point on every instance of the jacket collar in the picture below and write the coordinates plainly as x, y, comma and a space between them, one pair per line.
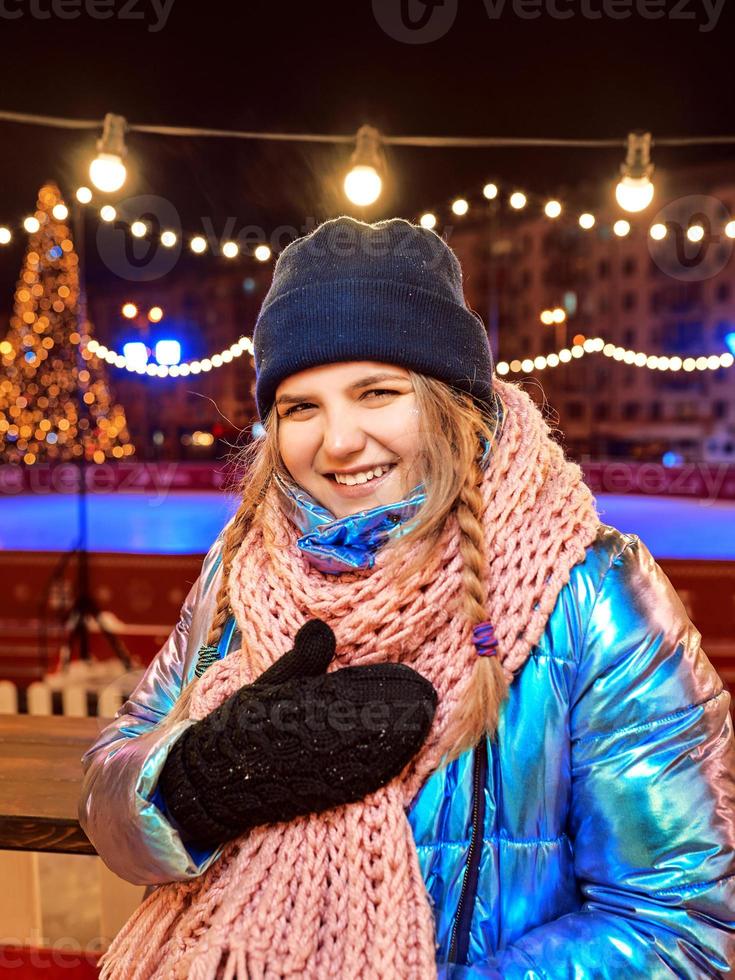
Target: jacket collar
335, 545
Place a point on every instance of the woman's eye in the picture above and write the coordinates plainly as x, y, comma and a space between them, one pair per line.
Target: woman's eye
295, 407
380, 391
372, 391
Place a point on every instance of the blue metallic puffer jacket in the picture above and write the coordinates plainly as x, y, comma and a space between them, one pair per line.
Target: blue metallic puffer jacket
595, 838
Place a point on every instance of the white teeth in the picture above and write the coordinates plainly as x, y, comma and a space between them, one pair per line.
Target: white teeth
351, 479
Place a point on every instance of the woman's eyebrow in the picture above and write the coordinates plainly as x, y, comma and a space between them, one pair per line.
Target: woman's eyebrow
362, 383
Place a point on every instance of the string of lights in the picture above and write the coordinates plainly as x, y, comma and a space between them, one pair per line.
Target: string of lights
517, 201
363, 181
133, 360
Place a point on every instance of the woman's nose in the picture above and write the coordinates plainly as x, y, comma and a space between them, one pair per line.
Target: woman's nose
342, 435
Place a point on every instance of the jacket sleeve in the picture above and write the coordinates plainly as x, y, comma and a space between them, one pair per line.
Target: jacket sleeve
653, 796
120, 809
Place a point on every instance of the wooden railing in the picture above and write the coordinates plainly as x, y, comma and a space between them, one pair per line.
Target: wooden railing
55, 889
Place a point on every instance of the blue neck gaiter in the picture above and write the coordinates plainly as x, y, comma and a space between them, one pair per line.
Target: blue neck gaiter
334, 545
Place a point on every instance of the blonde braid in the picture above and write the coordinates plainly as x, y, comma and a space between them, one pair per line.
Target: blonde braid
478, 708
233, 538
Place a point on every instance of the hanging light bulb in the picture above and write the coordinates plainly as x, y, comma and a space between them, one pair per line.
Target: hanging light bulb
634, 191
363, 183
107, 171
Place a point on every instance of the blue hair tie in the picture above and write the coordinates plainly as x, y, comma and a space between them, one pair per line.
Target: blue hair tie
483, 636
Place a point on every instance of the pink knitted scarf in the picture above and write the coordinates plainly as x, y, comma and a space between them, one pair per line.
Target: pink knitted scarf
341, 894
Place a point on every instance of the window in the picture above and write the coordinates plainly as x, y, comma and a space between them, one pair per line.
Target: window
630, 267
655, 411
574, 410
686, 411
630, 300
603, 268
722, 293
629, 337
602, 411
720, 409
631, 411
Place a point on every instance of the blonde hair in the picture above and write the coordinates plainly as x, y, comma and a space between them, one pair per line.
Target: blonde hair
448, 464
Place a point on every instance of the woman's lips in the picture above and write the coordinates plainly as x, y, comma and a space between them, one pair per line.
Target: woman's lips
359, 489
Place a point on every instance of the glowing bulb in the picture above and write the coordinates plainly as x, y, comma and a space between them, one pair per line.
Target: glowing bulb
230, 250
198, 244
363, 185
262, 253
552, 209
108, 213
428, 220
84, 195
621, 228
5, 235
129, 311
517, 200
547, 317
107, 172
168, 239
138, 229
634, 193
586, 221
658, 232
60, 212
460, 206
490, 191
155, 314
31, 225
695, 233
730, 229
558, 315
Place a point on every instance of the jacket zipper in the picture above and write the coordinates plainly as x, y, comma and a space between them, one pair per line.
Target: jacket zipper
463, 917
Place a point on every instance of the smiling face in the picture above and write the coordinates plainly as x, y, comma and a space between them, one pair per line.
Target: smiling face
338, 422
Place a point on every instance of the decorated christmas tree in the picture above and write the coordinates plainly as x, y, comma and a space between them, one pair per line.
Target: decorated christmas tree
55, 401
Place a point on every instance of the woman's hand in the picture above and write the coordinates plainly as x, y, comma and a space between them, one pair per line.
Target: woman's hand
296, 741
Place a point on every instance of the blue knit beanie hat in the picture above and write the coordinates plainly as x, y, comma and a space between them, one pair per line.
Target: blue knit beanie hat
390, 291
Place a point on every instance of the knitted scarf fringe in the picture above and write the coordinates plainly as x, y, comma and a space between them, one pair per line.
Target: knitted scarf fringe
341, 894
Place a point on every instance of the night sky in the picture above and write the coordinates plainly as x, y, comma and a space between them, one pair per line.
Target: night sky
328, 67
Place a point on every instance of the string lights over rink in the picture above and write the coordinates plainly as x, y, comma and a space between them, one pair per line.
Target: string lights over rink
367, 169
182, 370
566, 355
596, 345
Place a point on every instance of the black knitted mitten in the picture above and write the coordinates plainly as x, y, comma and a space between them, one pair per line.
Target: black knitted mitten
296, 741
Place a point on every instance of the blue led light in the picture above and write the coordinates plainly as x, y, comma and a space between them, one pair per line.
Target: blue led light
168, 352
136, 353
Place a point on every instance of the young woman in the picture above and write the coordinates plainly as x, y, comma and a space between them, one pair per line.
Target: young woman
423, 713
